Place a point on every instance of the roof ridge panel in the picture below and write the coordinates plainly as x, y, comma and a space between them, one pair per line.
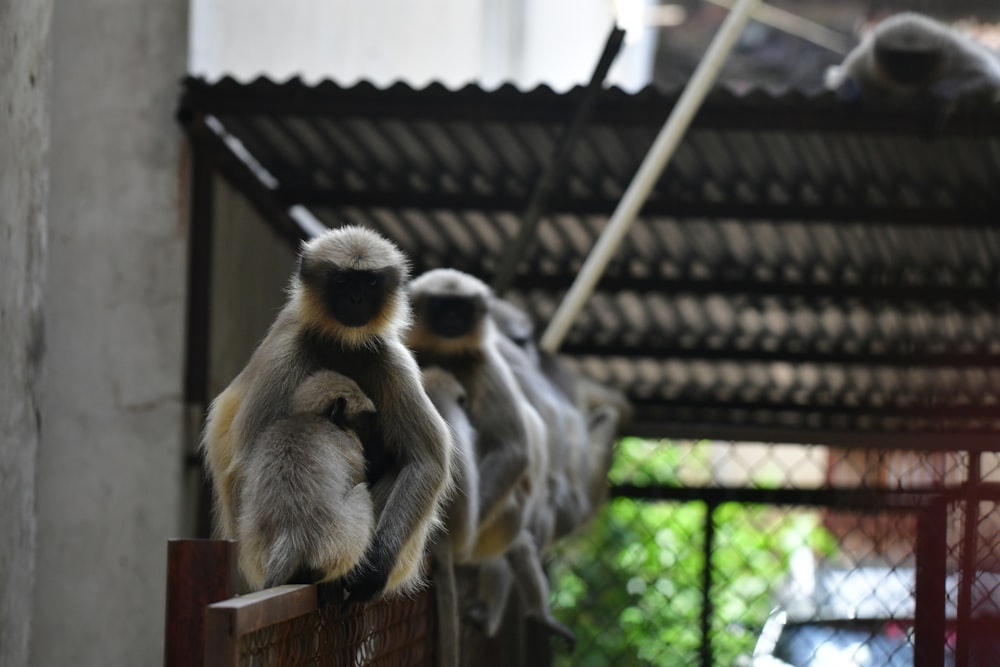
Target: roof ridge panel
760, 108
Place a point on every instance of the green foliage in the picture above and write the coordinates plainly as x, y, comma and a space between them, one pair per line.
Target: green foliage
631, 585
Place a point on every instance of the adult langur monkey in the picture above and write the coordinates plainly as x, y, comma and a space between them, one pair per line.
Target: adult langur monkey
567, 432
347, 311
592, 415
305, 510
452, 330
910, 56
460, 543
606, 410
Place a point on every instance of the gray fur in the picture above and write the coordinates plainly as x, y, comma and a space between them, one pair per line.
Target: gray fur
942, 64
461, 511
305, 503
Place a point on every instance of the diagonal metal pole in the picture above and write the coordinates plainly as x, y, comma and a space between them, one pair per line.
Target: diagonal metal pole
557, 166
652, 166
800, 27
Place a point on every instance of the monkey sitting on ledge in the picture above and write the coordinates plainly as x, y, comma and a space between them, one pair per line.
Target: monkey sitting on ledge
346, 312
454, 331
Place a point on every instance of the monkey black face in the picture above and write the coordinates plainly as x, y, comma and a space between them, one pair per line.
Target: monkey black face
453, 316
354, 298
909, 65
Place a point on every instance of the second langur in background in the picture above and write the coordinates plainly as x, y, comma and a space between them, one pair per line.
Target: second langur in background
910, 56
346, 312
452, 330
305, 511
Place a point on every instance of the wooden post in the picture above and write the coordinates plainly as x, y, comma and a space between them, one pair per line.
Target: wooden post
932, 564
199, 572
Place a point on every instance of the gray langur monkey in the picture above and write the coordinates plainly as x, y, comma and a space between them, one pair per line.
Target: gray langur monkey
908, 56
606, 410
452, 330
347, 312
592, 415
567, 432
305, 511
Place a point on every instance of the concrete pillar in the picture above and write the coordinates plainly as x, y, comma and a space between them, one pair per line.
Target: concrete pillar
110, 460
24, 129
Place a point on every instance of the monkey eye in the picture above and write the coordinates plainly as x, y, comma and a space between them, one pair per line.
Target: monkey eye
373, 281
521, 341
339, 278
462, 400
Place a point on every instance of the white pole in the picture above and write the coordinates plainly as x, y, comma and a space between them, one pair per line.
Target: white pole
794, 24
649, 171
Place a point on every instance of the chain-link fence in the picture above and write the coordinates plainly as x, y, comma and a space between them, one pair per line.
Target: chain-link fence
720, 553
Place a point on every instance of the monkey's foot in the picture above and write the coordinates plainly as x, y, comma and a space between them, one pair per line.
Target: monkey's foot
557, 628
330, 594
477, 615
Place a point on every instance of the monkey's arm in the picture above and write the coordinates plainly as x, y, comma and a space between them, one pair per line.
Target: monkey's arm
502, 447
419, 442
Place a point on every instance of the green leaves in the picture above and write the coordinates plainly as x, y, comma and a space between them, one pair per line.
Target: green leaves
630, 585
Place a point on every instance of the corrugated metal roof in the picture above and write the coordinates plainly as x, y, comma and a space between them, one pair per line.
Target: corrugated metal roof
801, 268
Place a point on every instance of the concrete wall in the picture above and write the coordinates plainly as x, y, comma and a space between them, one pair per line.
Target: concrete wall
24, 75
109, 469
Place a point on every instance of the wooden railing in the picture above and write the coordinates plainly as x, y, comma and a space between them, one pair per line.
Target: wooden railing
208, 625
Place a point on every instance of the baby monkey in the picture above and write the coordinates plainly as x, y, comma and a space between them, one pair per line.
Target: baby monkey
306, 515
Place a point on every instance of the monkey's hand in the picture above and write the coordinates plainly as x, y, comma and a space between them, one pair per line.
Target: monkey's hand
367, 579
330, 594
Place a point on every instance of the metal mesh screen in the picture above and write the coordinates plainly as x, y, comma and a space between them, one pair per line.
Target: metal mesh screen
384, 634
722, 553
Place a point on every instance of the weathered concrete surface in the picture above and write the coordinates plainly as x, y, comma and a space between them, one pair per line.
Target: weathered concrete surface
24, 74
109, 483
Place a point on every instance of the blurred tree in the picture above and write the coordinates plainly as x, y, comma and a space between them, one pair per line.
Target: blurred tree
631, 584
